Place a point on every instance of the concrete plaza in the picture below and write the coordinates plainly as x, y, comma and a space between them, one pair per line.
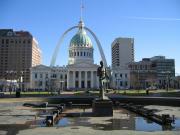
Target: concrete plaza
16, 119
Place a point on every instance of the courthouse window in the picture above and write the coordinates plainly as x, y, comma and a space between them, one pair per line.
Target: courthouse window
35, 75
76, 74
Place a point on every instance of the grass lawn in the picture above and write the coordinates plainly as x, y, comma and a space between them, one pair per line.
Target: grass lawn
30, 93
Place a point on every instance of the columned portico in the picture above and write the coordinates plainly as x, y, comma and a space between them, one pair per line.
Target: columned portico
82, 79
74, 79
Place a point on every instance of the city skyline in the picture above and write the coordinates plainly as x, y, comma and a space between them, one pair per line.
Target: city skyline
155, 32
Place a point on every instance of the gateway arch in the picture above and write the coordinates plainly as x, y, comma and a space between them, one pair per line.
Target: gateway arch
55, 54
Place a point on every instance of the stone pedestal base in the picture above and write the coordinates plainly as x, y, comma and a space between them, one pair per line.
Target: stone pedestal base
102, 107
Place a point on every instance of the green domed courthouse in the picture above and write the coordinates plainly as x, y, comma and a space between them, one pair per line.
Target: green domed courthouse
81, 68
80, 73
80, 49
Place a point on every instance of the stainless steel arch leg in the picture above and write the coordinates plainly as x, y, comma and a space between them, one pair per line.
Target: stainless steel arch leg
53, 60
99, 47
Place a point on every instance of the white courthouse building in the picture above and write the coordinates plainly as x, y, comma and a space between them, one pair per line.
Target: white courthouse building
81, 72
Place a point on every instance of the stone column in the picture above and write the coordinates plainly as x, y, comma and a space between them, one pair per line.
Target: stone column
95, 79
92, 79
68, 80
85, 79
79, 79
73, 79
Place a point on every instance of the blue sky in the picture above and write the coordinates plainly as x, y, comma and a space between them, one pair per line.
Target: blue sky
154, 24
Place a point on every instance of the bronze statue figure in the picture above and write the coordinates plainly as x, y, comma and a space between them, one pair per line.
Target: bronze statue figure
103, 77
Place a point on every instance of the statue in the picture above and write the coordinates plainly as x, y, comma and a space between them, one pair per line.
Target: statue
103, 79
102, 106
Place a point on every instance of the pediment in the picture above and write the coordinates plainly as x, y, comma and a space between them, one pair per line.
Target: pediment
40, 67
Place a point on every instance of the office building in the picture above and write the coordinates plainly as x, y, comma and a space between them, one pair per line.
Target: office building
19, 51
165, 69
122, 54
142, 74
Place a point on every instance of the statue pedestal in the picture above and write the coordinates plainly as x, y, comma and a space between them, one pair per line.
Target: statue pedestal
102, 107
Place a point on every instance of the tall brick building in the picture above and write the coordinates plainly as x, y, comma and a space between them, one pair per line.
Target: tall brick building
19, 51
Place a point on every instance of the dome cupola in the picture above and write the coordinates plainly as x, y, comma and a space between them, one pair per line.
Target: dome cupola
80, 48
81, 39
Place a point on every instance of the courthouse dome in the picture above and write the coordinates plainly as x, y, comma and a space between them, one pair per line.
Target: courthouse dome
81, 39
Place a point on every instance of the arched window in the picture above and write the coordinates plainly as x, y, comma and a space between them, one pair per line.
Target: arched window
84, 53
77, 53
74, 53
